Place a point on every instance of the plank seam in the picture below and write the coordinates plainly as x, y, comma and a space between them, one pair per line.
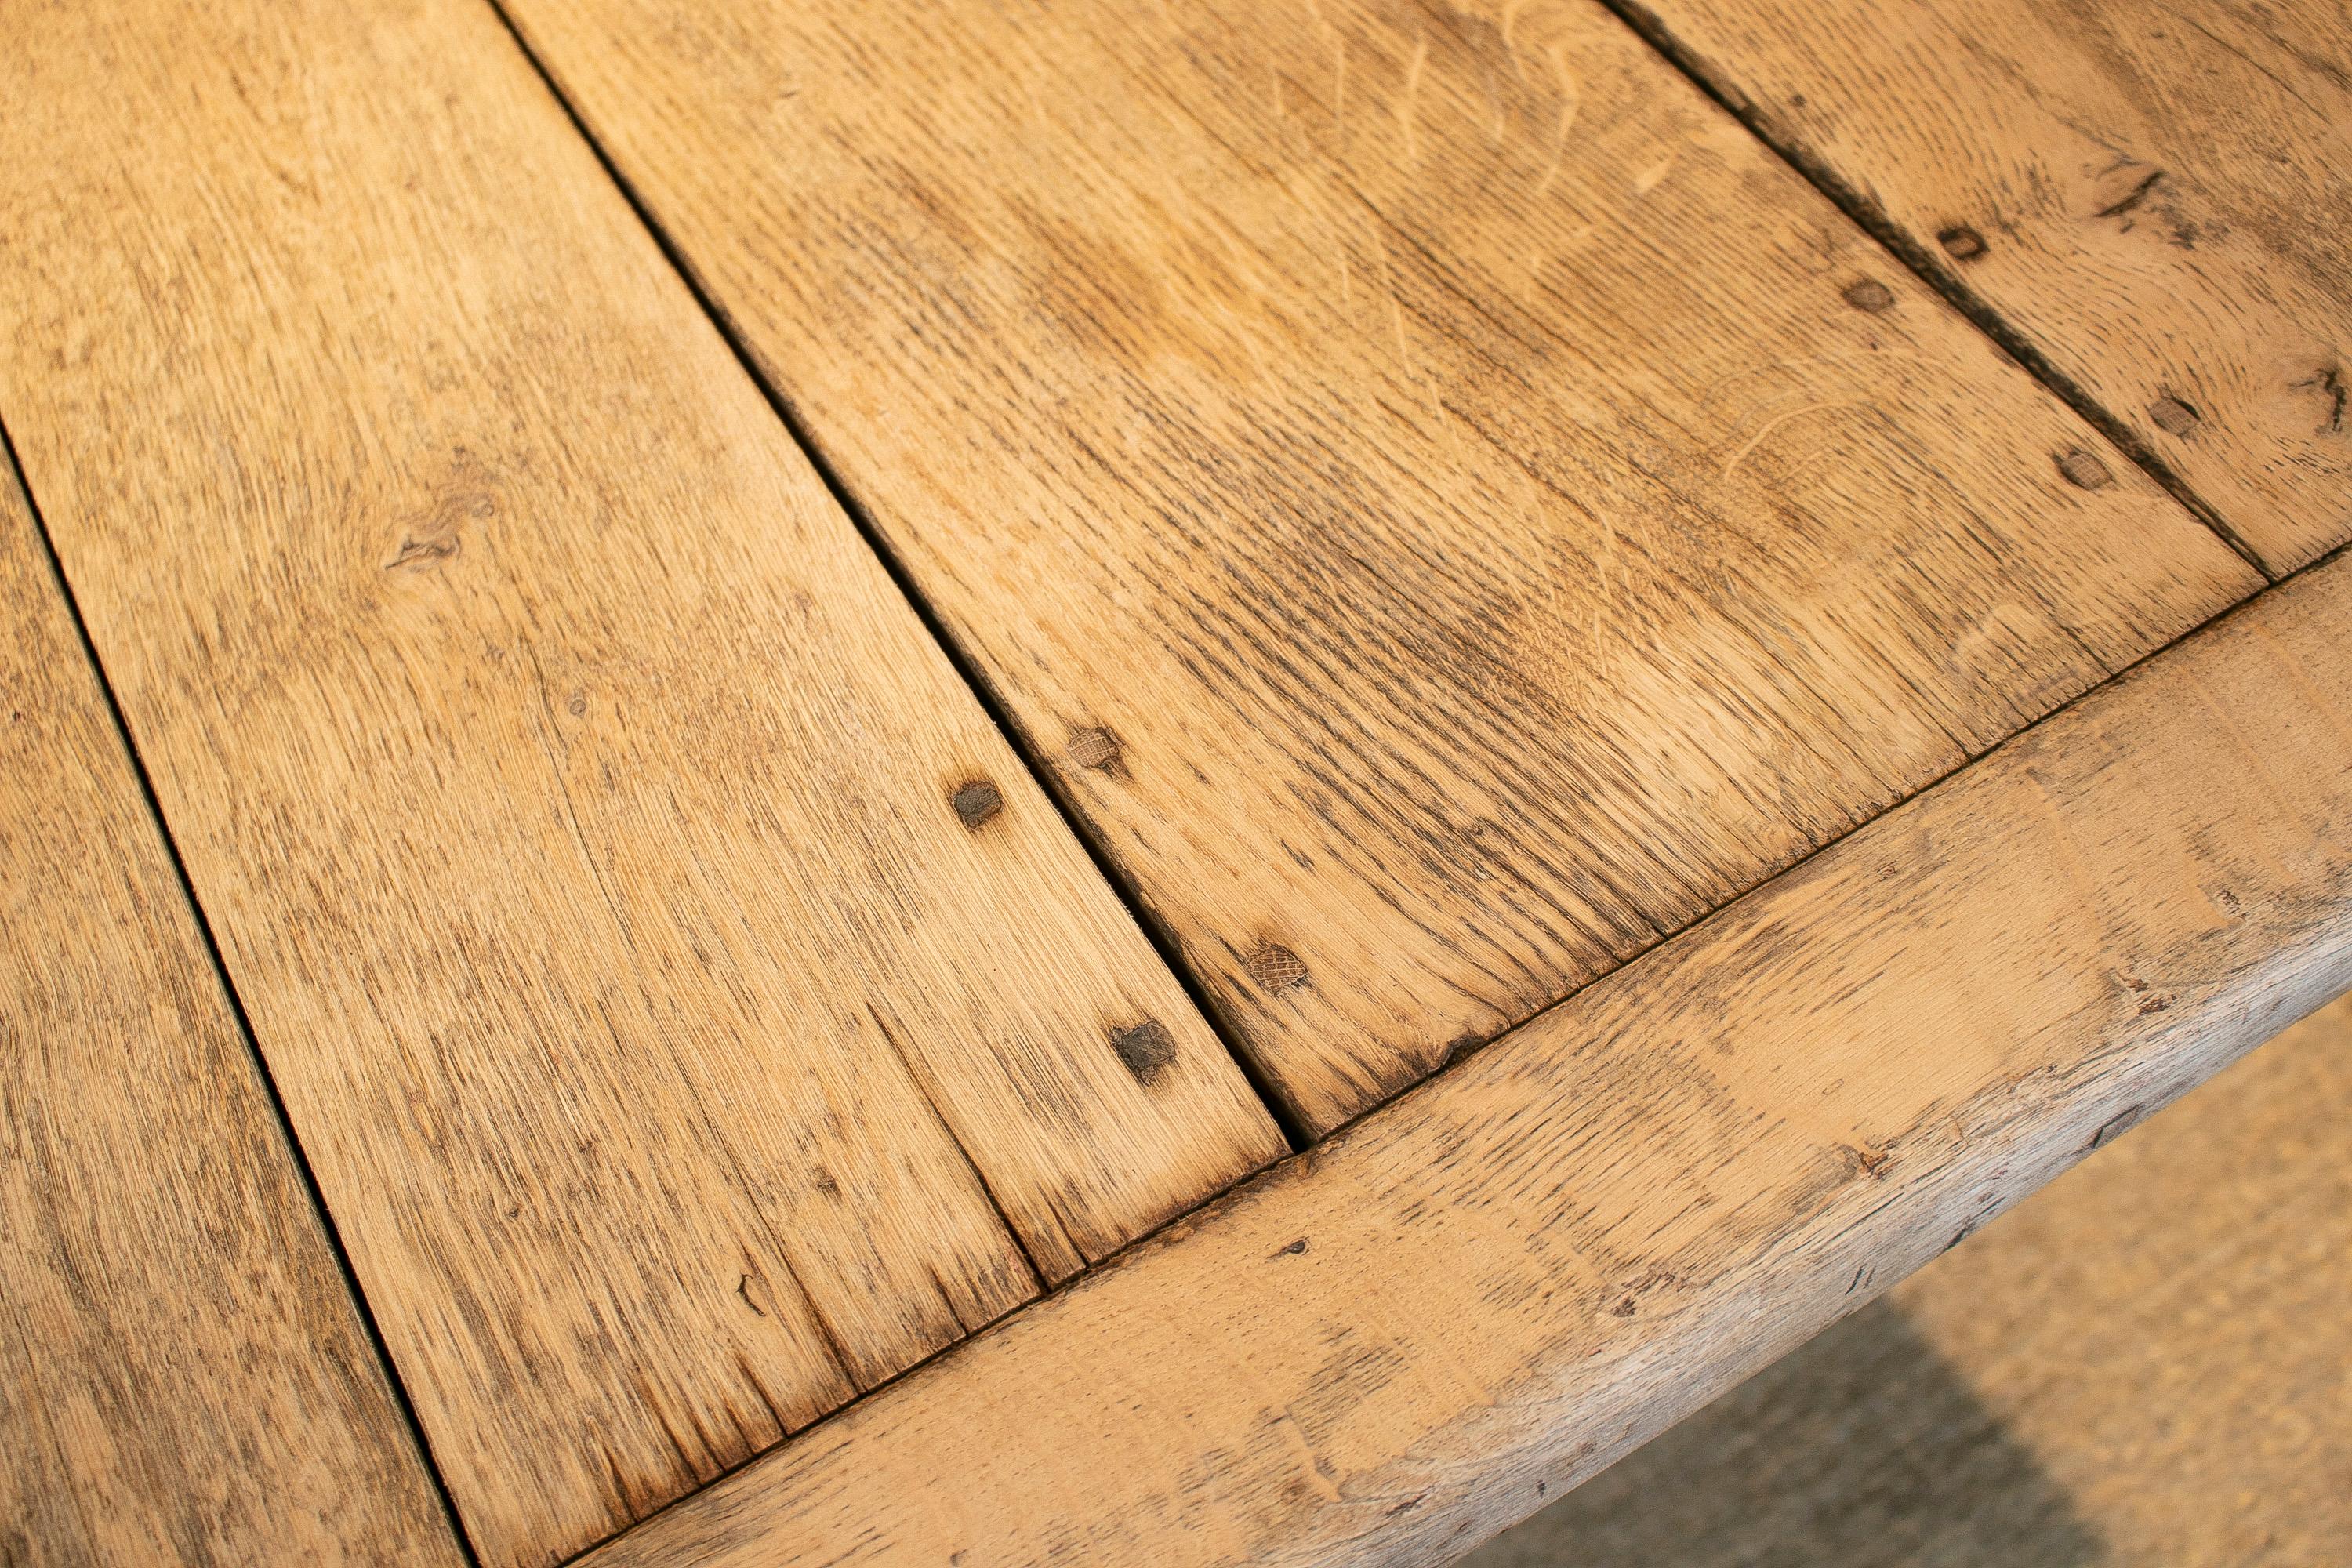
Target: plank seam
366, 1312
1286, 1117
922, 1082
1720, 912
2271, 585
1873, 219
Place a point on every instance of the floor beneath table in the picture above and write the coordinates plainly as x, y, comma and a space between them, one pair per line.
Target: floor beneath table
2147, 1363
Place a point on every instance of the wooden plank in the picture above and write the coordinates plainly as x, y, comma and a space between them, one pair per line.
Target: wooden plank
183, 1377
1451, 506
1407, 1337
2151, 194
681, 1044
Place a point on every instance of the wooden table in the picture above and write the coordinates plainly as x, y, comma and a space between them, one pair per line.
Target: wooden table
1102, 783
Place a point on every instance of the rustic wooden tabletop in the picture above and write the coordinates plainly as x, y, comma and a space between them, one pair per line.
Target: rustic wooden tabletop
1396, 731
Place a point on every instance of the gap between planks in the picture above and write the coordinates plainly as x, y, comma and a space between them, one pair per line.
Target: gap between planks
1295, 1129
299, 1156
1873, 220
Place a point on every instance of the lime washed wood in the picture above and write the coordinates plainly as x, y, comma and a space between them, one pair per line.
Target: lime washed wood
1448, 510
1410, 1336
1446, 504
183, 1377
2153, 196
692, 1011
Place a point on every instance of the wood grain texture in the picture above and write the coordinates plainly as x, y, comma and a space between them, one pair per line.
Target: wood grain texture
1404, 1339
2152, 194
1451, 506
690, 1006
183, 1376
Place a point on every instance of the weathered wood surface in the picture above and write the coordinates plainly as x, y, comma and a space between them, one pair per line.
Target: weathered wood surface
1394, 1344
1450, 506
2153, 195
183, 1376
680, 1044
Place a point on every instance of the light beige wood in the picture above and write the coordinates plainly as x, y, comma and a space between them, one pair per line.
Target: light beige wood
183, 1377
2152, 194
1393, 1344
583, 813
1451, 506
